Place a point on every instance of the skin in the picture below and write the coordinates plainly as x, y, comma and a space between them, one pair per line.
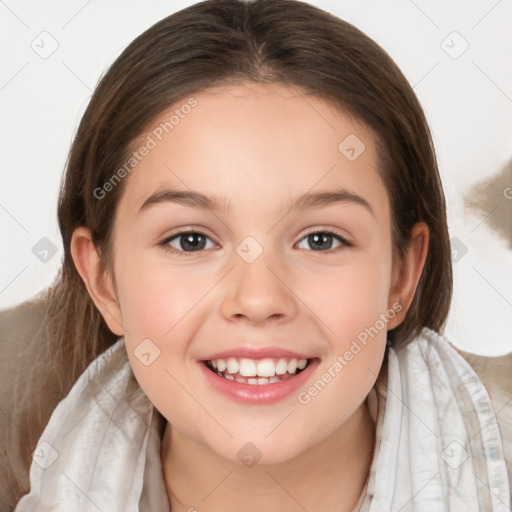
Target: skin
316, 455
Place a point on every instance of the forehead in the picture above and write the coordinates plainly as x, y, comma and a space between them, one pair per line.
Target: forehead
251, 141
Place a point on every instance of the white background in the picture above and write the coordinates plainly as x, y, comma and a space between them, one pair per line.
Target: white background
467, 100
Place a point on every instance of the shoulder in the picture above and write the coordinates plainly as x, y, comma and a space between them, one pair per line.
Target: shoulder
496, 375
22, 336
475, 391
20, 329
22, 332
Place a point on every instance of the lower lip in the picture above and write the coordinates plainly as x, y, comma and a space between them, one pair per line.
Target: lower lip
254, 394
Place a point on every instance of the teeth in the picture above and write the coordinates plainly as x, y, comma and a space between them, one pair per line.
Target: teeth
247, 368
281, 367
261, 381
232, 365
292, 366
266, 369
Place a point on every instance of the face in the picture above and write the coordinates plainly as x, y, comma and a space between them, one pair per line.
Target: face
256, 273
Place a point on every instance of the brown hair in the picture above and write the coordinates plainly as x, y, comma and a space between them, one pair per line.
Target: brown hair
218, 42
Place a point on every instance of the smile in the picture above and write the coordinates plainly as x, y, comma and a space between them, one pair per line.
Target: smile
257, 381
257, 372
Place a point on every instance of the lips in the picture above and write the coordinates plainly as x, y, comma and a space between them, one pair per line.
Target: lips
257, 376
251, 394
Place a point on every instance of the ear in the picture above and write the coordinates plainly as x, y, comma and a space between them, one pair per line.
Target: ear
97, 279
406, 277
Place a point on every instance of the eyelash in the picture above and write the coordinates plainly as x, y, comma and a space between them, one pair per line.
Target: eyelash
164, 243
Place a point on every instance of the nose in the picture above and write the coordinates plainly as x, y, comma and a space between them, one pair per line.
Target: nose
258, 292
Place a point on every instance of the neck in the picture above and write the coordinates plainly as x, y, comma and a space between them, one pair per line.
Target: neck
329, 476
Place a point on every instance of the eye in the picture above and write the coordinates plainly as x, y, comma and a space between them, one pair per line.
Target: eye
323, 239
187, 242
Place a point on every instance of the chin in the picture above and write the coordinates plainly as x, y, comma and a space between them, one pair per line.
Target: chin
258, 450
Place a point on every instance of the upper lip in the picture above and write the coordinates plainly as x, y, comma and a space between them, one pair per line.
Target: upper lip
256, 353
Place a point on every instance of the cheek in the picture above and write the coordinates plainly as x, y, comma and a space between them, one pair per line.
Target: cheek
169, 389
156, 297
352, 308
159, 305
350, 298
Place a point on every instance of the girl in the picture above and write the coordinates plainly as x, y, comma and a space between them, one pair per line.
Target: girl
256, 275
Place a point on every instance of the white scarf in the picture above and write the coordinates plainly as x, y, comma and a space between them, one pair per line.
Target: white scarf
438, 444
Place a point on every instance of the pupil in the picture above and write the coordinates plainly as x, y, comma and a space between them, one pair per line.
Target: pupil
187, 241
318, 238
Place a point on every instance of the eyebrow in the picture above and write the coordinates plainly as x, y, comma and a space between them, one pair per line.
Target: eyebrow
198, 200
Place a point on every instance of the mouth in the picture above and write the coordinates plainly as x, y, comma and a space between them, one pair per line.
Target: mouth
257, 372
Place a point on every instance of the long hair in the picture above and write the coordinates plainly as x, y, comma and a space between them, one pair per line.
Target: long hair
212, 43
